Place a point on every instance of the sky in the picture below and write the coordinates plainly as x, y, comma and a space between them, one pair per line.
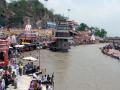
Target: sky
101, 13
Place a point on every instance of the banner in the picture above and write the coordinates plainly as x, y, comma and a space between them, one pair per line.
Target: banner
28, 27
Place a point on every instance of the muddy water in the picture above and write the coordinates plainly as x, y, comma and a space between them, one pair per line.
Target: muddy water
83, 68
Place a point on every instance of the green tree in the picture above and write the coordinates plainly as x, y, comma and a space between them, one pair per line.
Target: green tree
33, 9
2, 12
82, 27
103, 33
100, 32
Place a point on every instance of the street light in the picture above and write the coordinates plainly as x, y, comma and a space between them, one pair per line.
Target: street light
39, 48
39, 57
46, 13
68, 13
45, 17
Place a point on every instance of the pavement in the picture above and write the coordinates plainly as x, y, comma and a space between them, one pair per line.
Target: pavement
23, 83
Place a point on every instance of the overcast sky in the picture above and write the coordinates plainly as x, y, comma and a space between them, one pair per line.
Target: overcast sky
100, 13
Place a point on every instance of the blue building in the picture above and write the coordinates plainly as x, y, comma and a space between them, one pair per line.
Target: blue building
48, 25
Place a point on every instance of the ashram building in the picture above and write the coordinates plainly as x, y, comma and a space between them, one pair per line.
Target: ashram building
86, 37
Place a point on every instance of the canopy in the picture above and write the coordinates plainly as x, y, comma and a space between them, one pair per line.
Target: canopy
25, 43
10, 47
19, 46
30, 58
92, 38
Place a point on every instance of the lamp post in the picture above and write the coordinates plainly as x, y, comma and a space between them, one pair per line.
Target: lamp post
45, 18
68, 13
39, 57
46, 11
39, 48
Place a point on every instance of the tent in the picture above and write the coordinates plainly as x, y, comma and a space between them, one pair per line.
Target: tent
30, 58
19, 46
92, 38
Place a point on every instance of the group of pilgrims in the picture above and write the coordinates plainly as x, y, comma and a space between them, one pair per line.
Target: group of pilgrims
111, 50
44, 82
9, 75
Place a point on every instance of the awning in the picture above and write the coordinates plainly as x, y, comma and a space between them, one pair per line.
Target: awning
30, 58
19, 46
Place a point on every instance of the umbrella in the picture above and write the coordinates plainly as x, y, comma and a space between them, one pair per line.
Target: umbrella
19, 46
30, 58
25, 43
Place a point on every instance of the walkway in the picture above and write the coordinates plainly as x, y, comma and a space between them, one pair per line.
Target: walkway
23, 83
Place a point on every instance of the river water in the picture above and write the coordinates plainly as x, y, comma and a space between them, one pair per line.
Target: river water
82, 68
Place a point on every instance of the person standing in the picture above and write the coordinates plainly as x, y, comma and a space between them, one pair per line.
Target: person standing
3, 84
20, 69
14, 79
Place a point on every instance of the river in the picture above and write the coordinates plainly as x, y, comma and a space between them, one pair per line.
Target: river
82, 68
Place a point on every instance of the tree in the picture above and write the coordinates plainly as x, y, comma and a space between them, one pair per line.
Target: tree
100, 32
103, 33
82, 27
58, 17
2, 12
33, 9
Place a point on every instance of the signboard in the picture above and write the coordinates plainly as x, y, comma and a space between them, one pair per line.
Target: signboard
28, 27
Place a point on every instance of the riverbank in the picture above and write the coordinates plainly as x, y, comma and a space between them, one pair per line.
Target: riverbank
23, 83
111, 51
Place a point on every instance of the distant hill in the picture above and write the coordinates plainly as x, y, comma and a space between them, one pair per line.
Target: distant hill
13, 14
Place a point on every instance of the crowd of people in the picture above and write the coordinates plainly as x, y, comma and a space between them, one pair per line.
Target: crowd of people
30, 68
10, 73
40, 82
8, 76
